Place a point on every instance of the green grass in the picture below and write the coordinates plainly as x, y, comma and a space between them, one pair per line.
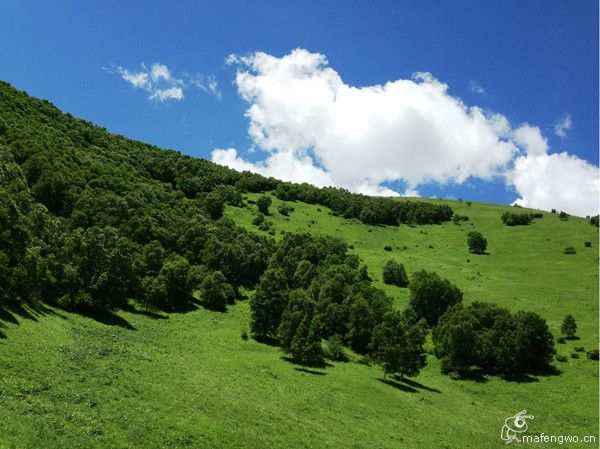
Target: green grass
190, 380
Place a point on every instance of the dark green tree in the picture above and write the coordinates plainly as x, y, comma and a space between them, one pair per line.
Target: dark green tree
477, 242
398, 345
395, 274
268, 303
431, 296
263, 203
216, 292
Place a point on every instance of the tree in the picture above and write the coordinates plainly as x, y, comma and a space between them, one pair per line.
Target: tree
431, 296
455, 339
395, 274
477, 242
398, 345
214, 205
299, 306
216, 292
306, 345
268, 303
263, 203
569, 326
534, 344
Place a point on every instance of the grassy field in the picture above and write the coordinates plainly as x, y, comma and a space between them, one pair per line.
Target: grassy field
190, 380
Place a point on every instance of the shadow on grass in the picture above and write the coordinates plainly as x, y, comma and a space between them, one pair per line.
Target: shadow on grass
109, 318
145, 312
265, 340
473, 375
311, 371
415, 384
398, 386
533, 375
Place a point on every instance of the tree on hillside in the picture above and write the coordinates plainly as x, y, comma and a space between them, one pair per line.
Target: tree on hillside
263, 203
455, 338
398, 345
306, 344
216, 292
214, 205
431, 296
395, 274
477, 242
268, 303
569, 326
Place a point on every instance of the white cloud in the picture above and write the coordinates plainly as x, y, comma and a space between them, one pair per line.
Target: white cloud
160, 83
561, 127
531, 139
476, 87
360, 137
559, 181
172, 93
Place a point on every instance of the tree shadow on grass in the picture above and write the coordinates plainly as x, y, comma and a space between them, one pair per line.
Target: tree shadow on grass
310, 371
266, 340
415, 384
109, 318
398, 386
532, 376
146, 312
473, 375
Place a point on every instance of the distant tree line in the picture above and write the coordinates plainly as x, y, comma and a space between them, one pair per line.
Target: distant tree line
369, 210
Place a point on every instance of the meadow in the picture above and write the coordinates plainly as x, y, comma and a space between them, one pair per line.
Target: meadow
139, 379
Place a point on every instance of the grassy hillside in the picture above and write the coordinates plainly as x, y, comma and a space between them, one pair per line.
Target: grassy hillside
190, 380
124, 233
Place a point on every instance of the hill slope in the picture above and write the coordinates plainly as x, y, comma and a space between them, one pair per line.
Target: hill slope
184, 377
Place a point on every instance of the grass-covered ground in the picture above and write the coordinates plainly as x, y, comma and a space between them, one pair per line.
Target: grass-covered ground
190, 380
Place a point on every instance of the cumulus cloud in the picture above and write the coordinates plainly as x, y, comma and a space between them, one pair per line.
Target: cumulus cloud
560, 181
161, 84
530, 138
361, 137
313, 127
562, 126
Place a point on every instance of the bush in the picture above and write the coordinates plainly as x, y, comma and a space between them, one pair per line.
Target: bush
595, 220
579, 349
569, 326
284, 210
258, 219
334, 349
216, 292
592, 354
563, 216
561, 358
512, 219
588, 244
477, 242
263, 203
574, 355
570, 250
457, 219
561, 340
395, 274
387, 247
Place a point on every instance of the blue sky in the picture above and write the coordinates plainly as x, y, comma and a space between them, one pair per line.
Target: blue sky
533, 62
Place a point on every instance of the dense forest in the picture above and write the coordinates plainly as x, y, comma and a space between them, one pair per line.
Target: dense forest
91, 221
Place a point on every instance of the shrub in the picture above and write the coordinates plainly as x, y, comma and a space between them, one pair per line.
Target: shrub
477, 242
563, 216
570, 250
457, 219
592, 354
216, 292
259, 219
588, 244
574, 355
263, 203
512, 219
561, 340
334, 349
284, 210
395, 274
387, 247
569, 326
595, 220
579, 349
561, 358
